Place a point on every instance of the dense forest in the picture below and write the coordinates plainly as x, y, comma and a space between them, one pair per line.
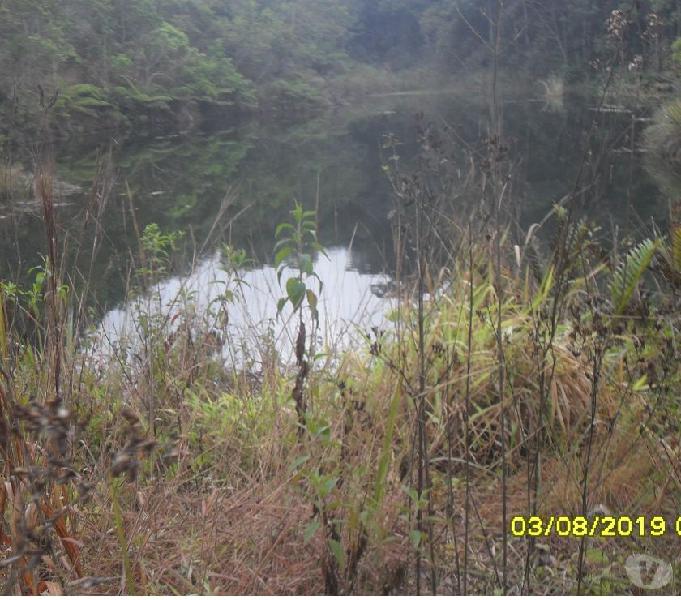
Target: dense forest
125, 63
340, 297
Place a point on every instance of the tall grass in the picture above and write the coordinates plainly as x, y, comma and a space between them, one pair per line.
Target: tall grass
505, 385
227, 460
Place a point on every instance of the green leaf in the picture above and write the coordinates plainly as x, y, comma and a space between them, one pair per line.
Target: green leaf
306, 265
628, 275
415, 537
324, 434
296, 291
298, 212
280, 305
310, 530
283, 227
544, 290
412, 493
281, 243
337, 551
327, 486
641, 384
282, 255
301, 460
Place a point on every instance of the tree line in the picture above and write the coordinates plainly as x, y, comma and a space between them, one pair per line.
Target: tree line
125, 62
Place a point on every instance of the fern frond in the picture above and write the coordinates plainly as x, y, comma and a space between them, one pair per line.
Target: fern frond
676, 248
628, 274
673, 112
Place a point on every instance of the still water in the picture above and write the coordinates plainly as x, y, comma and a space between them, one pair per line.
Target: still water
251, 175
348, 306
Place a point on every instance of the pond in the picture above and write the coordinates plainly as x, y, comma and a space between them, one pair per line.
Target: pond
250, 176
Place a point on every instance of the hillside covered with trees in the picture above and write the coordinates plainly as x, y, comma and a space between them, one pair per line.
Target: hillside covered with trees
119, 63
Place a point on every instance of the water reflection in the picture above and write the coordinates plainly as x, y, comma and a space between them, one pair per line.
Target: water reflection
347, 308
180, 181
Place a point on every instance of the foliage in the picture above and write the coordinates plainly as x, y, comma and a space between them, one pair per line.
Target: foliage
332, 510
150, 55
157, 247
228, 490
164, 55
296, 246
629, 273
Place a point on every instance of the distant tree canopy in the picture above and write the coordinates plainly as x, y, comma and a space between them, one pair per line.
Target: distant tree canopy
548, 35
146, 60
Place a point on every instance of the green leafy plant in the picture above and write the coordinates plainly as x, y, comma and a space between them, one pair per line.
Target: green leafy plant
157, 247
296, 245
628, 274
35, 295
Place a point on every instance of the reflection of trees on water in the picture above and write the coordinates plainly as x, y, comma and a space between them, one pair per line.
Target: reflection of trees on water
180, 182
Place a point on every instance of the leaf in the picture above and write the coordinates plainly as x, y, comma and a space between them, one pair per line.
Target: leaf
641, 384
310, 530
306, 265
338, 554
280, 305
282, 255
283, 227
544, 290
311, 299
282, 242
628, 275
301, 460
327, 486
412, 493
298, 212
415, 537
296, 291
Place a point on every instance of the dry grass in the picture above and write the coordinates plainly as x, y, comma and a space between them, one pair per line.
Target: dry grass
217, 508
201, 483
220, 541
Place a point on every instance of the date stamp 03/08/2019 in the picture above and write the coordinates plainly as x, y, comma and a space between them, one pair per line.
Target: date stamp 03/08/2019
644, 571
596, 526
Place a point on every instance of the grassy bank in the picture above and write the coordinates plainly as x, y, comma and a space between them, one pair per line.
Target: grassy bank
510, 382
